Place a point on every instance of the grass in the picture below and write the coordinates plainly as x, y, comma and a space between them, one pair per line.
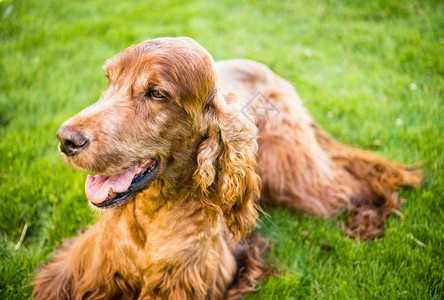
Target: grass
371, 72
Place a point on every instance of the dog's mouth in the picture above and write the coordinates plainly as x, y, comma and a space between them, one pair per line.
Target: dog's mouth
109, 191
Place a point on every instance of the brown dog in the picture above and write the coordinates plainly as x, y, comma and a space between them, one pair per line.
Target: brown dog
177, 161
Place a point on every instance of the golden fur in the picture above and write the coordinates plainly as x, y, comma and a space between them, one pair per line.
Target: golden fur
189, 235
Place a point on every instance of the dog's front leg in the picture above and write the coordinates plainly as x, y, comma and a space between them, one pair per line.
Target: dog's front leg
52, 280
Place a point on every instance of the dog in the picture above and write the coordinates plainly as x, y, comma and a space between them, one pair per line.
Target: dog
185, 150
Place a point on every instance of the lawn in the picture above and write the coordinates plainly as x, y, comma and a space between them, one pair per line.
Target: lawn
371, 72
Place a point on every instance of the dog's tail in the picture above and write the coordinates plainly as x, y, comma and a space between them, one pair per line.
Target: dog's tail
379, 180
252, 266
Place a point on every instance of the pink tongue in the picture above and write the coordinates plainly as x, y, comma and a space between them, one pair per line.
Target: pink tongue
97, 187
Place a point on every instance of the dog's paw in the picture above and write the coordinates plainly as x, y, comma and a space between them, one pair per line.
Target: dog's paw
365, 224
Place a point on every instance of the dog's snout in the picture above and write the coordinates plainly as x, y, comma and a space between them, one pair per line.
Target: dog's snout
72, 141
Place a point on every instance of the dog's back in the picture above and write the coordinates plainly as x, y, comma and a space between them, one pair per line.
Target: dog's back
301, 167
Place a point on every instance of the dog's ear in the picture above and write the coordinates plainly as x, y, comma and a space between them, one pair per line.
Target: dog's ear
226, 175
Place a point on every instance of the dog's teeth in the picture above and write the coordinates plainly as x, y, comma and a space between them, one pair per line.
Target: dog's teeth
110, 192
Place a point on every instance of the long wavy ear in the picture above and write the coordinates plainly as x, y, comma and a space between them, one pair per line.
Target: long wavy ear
226, 177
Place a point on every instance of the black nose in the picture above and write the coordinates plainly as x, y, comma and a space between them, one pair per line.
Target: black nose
71, 141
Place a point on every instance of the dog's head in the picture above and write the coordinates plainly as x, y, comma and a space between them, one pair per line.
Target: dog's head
161, 114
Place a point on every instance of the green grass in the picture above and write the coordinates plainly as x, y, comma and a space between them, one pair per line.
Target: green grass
369, 71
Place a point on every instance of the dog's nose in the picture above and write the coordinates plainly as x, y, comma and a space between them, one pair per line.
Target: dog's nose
72, 141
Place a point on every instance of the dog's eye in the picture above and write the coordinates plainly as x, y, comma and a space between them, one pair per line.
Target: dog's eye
155, 94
